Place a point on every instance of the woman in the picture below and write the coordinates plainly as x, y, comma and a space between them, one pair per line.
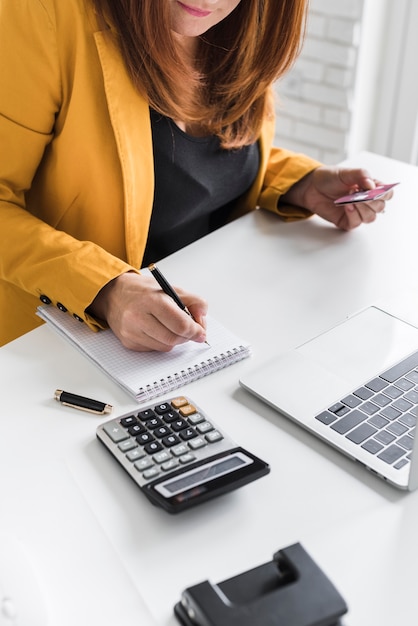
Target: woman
129, 128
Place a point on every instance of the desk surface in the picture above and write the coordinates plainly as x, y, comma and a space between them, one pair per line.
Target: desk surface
100, 548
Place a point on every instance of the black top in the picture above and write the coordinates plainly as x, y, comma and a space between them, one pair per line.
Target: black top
196, 186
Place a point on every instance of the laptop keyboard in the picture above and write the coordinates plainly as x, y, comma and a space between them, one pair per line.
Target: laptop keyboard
380, 416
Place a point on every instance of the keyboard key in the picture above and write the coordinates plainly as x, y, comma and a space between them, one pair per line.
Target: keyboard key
390, 413
412, 396
397, 429
408, 419
391, 454
363, 393
326, 418
338, 409
362, 432
351, 401
402, 405
377, 384
384, 437
412, 376
378, 421
400, 463
372, 446
393, 392
400, 369
381, 400
370, 408
404, 384
349, 421
406, 442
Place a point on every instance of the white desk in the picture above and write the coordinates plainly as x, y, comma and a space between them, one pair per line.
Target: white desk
88, 527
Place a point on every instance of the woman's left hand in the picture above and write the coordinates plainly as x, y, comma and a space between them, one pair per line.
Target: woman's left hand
318, 190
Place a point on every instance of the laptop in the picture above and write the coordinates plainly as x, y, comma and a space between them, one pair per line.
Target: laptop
356, 387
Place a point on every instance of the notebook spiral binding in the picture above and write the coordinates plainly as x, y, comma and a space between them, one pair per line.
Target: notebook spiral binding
178, 379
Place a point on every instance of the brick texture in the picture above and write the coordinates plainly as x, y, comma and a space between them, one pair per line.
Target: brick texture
315, 99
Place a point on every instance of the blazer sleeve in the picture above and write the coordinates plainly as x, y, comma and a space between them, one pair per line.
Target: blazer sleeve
35, 256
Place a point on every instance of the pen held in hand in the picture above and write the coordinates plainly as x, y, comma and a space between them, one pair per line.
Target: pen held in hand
168, 289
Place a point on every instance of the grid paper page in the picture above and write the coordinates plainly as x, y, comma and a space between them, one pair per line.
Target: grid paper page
148, 374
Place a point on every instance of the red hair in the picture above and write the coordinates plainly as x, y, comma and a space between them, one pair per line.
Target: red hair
226, 92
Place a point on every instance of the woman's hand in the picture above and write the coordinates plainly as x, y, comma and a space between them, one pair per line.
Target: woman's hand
144, 318
318, 190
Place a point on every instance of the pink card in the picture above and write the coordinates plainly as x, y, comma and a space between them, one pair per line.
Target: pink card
365, 195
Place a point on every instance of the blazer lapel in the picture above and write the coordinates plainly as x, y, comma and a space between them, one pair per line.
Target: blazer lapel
129, 114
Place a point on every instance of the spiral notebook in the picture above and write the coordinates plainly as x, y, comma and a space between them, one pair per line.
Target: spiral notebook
146, 375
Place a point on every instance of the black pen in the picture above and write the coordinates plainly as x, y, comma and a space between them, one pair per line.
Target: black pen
82, 403
168, 289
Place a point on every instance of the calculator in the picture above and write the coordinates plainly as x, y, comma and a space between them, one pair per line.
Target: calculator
177, 455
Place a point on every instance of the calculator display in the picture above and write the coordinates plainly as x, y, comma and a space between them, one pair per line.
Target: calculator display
202, 475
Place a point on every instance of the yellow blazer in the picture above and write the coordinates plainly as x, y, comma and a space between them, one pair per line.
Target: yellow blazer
76, 163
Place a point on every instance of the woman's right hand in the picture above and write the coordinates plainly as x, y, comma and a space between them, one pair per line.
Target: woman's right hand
144, 318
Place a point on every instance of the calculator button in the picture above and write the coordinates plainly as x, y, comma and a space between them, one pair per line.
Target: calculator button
204, 428
171, 440
162, 408
115, 432
144, 438
127, 445
163, 431
154, 446
197, 443
187, 410
162, 456
136, 454
179, 425
171, 416
176, 403
214, 436
196, 419
146, 414
169, 465
143, 464
188, 433
187, 458
137, 429
180, 449
130, 420
154, 422
150, 473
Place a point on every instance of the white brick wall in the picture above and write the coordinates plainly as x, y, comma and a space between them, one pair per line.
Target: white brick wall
316, 99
